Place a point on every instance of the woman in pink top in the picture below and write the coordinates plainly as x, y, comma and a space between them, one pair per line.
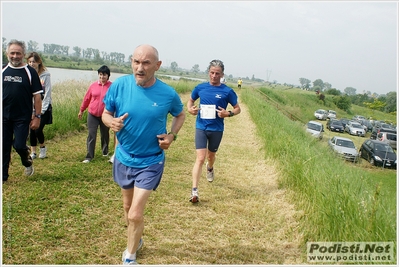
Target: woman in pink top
93, 100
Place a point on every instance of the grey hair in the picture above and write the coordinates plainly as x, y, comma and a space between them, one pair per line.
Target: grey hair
16, 42
216, 63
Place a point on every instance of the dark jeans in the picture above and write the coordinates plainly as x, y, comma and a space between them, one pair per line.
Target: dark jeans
93, 123
38, 135
15, 134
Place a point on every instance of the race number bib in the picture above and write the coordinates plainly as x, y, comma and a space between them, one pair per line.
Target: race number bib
208, 112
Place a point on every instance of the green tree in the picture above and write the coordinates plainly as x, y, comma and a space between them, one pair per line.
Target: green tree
342, 102
326, 86
376, 105
305, 83
4, 44
33, 46
360, 99
173, 66
77, 50
5, 59
350, 91
391, 101
333, 91
318, 83
195, 69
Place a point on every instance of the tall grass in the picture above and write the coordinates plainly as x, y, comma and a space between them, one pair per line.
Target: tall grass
340, 202
66, 100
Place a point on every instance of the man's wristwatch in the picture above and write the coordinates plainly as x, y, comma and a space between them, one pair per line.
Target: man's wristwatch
39, 116
174, 135
231, 113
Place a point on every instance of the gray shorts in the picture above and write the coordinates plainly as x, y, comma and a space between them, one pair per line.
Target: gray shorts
207, 139
146, 178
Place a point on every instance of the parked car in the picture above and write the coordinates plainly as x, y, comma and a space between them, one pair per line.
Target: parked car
378, 153
355, 128
389, 138
344, 147
335, 125
366, 125
378, 129
320, 114
358, 117
331, 114
344, 121
315, 128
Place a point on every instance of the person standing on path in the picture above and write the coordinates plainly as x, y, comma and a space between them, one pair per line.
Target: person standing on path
93, 100
214, 97
239, 83
21, 84
35, 61
136, 109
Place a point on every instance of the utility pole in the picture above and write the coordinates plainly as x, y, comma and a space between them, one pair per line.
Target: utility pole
268, 73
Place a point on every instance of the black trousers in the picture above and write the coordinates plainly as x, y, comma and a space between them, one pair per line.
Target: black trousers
15, 134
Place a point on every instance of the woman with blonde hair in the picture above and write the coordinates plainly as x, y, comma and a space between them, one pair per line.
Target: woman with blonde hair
36, 62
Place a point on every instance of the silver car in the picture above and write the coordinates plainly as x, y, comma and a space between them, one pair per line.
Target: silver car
389, 138
355, 128
331, 114
344, 148
320, 114
315, 128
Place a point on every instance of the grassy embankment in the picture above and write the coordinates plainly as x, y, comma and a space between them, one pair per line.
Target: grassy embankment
71, 213
341, 201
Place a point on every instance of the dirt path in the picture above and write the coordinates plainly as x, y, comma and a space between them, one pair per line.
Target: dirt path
242, 148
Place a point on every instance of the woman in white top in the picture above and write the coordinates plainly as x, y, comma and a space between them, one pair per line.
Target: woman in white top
35, 136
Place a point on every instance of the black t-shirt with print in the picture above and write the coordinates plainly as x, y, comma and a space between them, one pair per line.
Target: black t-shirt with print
19, 86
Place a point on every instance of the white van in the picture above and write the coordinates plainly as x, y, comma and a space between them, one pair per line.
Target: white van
315, 128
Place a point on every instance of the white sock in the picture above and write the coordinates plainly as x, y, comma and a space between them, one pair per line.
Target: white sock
130, 256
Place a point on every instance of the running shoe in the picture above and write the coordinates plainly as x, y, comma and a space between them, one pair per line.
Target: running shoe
42, 153
29, 170
194, 196
128, 261
210, 175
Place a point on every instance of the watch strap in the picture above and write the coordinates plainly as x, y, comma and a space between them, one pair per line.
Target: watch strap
174, 135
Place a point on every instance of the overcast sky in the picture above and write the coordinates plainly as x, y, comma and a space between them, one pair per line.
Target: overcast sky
346, 43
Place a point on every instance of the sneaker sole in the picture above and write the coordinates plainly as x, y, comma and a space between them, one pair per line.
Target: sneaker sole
30, 174
194, 199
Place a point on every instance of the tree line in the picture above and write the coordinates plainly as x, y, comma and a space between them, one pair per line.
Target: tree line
385, 103
343, 100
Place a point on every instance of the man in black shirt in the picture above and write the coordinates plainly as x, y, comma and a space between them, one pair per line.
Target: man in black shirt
21, 84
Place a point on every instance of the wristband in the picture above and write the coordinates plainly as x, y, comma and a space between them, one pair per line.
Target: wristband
231, 113
174, 135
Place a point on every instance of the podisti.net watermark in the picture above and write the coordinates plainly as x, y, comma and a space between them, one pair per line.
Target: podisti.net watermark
350, 252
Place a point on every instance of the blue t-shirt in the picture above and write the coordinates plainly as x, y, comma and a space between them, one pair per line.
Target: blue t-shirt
148, 109
217, 96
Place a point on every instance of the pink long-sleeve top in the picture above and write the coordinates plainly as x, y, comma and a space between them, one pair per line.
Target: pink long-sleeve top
94, 98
